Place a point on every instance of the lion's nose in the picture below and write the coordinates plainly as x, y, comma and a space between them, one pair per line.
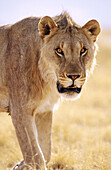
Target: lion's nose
73, 77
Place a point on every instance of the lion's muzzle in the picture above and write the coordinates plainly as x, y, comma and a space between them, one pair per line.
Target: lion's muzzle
72, 88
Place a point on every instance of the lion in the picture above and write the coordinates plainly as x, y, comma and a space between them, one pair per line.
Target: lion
42, 60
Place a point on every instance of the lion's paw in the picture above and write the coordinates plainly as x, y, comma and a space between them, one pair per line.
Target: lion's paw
21, 166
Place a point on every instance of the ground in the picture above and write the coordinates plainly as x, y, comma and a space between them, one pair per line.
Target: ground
81, 135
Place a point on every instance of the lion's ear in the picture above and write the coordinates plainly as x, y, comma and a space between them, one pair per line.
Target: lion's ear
93, 28
45, 26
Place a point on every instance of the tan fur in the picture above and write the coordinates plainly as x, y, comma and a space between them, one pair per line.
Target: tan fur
30, 70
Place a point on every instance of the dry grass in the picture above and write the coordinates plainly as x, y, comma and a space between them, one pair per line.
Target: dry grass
81, 138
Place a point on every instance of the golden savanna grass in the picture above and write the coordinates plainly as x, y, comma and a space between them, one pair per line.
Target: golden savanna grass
81, 135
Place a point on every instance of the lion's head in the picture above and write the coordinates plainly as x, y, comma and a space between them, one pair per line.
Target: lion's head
67, 53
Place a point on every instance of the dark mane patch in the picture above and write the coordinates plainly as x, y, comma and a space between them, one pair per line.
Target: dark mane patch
70, 29
64, 20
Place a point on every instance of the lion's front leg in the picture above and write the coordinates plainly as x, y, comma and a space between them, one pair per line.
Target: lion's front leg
44, 126
25, 130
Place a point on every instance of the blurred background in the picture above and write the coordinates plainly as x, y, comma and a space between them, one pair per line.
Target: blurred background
81, 10
81, 136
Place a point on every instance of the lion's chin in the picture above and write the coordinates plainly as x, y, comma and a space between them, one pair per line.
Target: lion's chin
67, 96
69, 93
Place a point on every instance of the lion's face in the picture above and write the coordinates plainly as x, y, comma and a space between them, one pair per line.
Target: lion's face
68, 55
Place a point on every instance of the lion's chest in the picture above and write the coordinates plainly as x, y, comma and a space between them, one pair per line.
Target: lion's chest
47, 104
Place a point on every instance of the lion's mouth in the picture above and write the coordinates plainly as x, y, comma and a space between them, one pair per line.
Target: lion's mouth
62, 89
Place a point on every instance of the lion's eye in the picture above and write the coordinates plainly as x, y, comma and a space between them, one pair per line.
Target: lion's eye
59, 52
83, 51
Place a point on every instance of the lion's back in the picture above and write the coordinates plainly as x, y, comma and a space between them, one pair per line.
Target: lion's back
4, 31
19, 50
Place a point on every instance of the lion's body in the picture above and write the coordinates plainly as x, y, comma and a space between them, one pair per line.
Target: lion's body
32, 69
